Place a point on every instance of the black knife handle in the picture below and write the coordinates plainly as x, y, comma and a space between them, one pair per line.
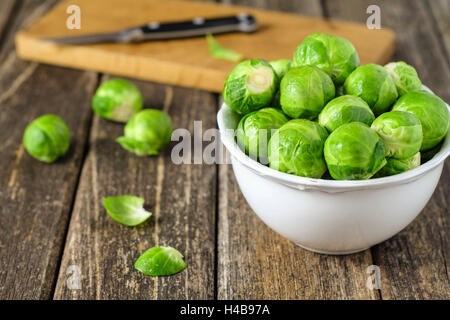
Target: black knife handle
191, 28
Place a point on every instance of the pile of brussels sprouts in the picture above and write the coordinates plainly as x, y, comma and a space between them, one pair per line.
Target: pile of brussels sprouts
323, 112
147, 130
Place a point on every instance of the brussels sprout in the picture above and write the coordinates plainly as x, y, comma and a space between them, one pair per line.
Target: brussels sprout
396, 166
147, 132
354, 152
250, 86
47, 138
281, 67
345, 109
304, 91
374, 85
334, 55
405, 77
297, 148
117, 100
432, 113
256, 128
401, 133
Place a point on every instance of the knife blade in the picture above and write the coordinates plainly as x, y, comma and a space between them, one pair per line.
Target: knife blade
195, 27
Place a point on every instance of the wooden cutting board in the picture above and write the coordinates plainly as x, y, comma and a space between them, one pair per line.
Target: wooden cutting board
183, 62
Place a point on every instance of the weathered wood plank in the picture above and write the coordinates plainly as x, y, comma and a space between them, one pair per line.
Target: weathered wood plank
35, 197
256, 263
441, 13
414, 264
6, 10
28, 11
181, 197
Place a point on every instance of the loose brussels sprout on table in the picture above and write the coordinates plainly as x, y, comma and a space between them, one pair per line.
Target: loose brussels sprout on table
256, 128
395, 166
304, 91
345, 109
401, 133
47, 138
432, 113
147, 132
374, 85
297, 148
354, 152
334, 55
117, 100
250, 86
405, 77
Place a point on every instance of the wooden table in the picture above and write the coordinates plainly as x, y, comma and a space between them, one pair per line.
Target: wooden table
53, 225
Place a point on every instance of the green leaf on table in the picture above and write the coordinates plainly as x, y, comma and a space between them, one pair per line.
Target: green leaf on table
127, 210
160, 261
219, 52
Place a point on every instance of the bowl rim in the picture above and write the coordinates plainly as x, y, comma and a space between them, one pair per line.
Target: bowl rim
303, 183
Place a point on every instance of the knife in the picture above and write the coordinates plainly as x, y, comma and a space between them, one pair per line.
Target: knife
195, 27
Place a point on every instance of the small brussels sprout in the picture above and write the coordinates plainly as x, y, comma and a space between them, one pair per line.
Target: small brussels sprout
255, 128
304, 91
250, 86
396, 166
47, 138
297, 148
281, 67
334, 55
401, 133
374, 85
354, 152
147, 132
345, 109
405, 77
117, 100
432, 113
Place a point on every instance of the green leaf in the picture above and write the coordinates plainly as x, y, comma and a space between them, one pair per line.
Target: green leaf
160, 261
127, 210
219, 52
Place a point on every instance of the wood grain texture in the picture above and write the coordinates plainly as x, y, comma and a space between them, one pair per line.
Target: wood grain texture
414, 264
24, 13
256, 263
6, 10
181, 197
36, 197
185, 62
441, 14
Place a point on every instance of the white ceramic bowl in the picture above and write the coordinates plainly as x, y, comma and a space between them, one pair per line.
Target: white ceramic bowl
328, 216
